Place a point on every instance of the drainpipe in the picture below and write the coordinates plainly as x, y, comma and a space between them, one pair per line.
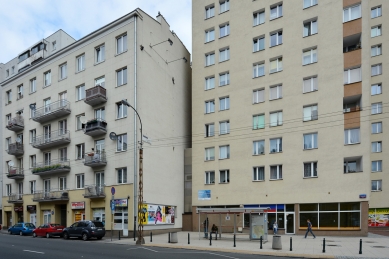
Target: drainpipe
135, 131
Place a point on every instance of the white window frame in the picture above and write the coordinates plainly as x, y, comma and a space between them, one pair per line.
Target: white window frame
257, 45
224, 54
278, 92
313, 84
347, 13
224, 103
256, 121
20, 92
121, 77
209, 11
224, 30
121, 174
313, 171
32, 185
376, 146
376, 108
258, 173
80, 151
259, 96
224, 152
32, 161
100, 54
80, 181
62, 183
376, 50
314, 140
278, 37
376, 89
224, 78
376, 127
378, 184
80, 92
258, 147
278, 11
226, 176
376, 31
47, 79
209, 154
312, 28
347, 136
278, 143
312, 110
121, 44
63, 71
121, 110
33, 85
376, 12
376, 70
79, 124
309, 3
209, 35
376, 166
278, 65
278, 172
224, 127
209, 106
210, 83
258, 70
224, 6
276, 118
312, 54
348, 72
209, 130
80, 63
122, 143
258, 18
210, 59
209, 177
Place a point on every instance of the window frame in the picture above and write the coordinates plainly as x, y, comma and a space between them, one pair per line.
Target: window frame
376, 146
121, 174
80, 92
314, 139
349, 8
376, 89
100, 54
378, 184
225, 4
376, 31
257, 151
376, 166
208, 34
210, 83
313, 169
208, 177
210, 59
376, 108
256, 121
226, 173
226, 127
257, 45
279, 65
80, 63
377, 10
278, 93
224, 103
80, 181
278, 146
209, 106
279, 172
377, 49
225, 28
208, 152
313, 52
225, 54
257, 17
278, 36
122, 143
377, 69
257, 93
349, 142
209, 130
46, 78
313, 24
226, 151
257, 173
123, 45
227, 80
63, 71
279, 11
312, 3
279, 118
378, 125
209, 11
122, 73
80, 151
33, 85
121, 110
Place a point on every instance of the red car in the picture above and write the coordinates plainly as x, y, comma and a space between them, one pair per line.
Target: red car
48, 230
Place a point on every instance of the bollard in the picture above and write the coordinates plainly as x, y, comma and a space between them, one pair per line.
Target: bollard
324, 245
234, 241
151, 237
290, 243
169, 237
210, 238
119, 234
360, 246
260, 241
188, 239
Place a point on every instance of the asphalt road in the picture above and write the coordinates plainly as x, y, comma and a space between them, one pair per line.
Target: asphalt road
20, 247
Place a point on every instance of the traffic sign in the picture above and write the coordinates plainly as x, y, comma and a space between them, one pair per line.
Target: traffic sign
113, 190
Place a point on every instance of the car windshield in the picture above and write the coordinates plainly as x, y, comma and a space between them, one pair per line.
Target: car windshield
55, 225
30, 225
98, 224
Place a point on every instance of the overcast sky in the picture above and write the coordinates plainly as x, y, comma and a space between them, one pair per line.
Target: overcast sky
24, 22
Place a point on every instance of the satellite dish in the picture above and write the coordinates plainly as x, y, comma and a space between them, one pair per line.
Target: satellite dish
83, 119
19, 140
113, 136
11, 163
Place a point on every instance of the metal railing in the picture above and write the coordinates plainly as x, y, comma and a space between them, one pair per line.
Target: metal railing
52, 194
94, 191
51, 166
50, 137
15, 197
15, 149
94, 92
97, 157
51, 108
16, 121
95, 124
15, 172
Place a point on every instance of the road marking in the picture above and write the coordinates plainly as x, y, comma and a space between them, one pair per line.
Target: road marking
132, 248
169, 252
223, 255
150, 249
33, 251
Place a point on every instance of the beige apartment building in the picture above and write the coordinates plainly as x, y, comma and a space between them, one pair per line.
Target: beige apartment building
289, 107
61, 163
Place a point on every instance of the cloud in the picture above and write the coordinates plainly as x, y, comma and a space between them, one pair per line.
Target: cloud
24, 22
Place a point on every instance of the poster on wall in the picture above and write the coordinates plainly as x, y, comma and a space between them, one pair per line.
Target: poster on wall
379, 217
204, 195
153, 214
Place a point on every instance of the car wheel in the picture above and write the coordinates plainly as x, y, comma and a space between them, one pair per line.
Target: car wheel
21, 233
85, 236
66, 235
34, 234
99, 238
47, 235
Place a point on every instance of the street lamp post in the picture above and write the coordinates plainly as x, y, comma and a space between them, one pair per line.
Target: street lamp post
140, 240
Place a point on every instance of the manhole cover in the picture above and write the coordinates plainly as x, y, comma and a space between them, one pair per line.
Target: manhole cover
380, 246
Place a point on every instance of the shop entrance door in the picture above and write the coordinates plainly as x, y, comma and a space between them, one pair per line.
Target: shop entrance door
33, 219
289, 229
8, 216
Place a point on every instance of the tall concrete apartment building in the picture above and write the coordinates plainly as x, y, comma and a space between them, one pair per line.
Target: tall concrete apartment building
61, 164
289, 107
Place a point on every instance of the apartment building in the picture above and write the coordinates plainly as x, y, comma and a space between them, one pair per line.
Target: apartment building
289, 108
72, 145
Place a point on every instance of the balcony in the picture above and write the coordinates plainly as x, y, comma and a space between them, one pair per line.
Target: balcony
52, 139
15, 173
93, 192
96, 95
51, 111
352, 27
351, 110
16, 124
95, 127
37, 56
15, 149
15, 198
353, 89
51, 195
95, 159
57, 166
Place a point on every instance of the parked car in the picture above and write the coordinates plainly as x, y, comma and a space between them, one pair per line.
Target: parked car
48, 230
85, 229
21, 229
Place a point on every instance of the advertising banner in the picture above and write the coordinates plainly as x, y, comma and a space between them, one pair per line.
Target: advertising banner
379, 217
153, 214
78, 205
204, 195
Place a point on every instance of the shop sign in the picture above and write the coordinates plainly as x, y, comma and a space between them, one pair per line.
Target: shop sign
153, 214
31, 207
17, 209
204, 195
379, 217
78, 205
121, 203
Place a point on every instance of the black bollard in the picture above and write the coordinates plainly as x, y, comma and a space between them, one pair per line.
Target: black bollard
260, 241
324, 245
210, 238
360, 246
234, 241
290, 243
169, 237
188, 239
151, 237
119, 235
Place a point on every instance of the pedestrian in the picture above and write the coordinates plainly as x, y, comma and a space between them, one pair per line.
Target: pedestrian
309, 229
275, 228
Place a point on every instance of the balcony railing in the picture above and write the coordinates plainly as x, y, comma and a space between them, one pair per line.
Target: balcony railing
52, 167
52, 111
15, 198
50, 195
95, 127
16, 124
15, 149
96, 95
51, 139
15, 173
95, 159
93, 191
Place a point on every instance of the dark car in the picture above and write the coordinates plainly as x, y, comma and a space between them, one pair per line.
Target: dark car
21, 228
85, 229
48, 230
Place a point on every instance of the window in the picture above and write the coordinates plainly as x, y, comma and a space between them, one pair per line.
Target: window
275, 119
259, 173
309, 3
310, 141
32, 187
259, 18
376, 89
258, 96
209, 83
79, 124
32, 135
259, 147
62, 154
275, 92
352, 75
376, 185
376, 108
376, 50
209, 12
209, 130
276, 39
310, 113
376, 12
258, 44
209, 35
224, 6
310, 85
276, 172
100, 179
376, 146
7, 72
32, 111
376, 70
224, 176
376, 127
32, 161
100, 81
100, 53
309, 56
259, 121
209, 59
8, 118
352, 13
80, 63
7, 143
121, 77
209, 154
62, 183
80, 92
54, 45
62, 71
100, 113
310, 28
224, 152
224, 55
121, 44
351, 136
33, 85
275, 145
80, 151
80, 179
224, 79
8, 97
310, 169
376, 31
276, 65
275, 11
121, 110
20, 92
224, 103
209, 177
258, 70
47, 79
224, 30
224, 127
210, 106
376, 166
9, 189
122, 175
121, 142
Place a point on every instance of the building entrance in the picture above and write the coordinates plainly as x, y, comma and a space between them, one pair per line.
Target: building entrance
289, 224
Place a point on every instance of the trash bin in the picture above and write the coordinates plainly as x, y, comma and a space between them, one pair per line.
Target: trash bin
276, 244
173, 237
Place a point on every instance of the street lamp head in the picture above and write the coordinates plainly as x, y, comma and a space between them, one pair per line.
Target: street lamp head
170, 41
125, 102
